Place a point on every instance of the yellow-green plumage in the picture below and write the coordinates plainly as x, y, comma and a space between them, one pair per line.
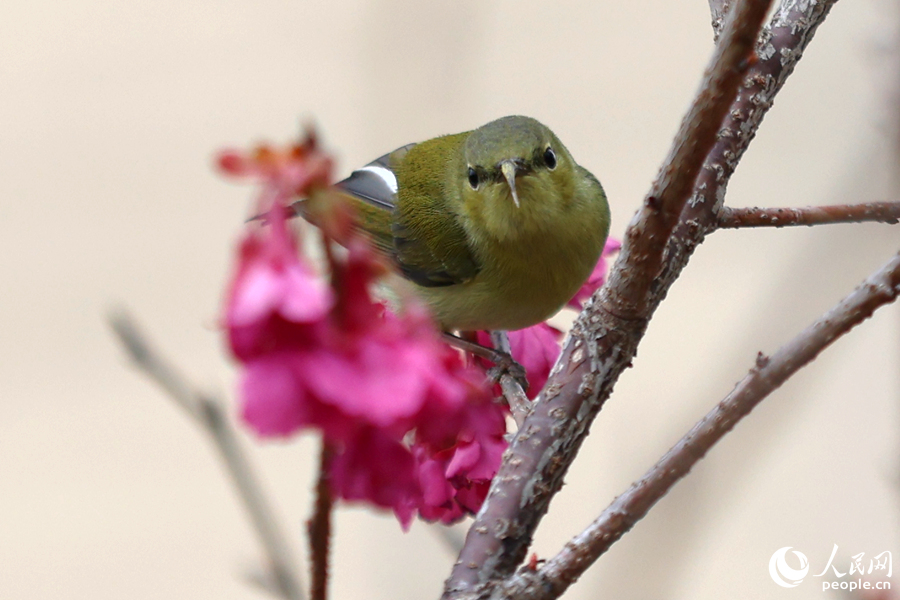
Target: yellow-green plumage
480, 258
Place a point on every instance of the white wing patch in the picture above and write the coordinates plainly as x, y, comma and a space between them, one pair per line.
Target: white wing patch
386, 175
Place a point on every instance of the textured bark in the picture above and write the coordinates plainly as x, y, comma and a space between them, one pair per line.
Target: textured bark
558, 573
676, 215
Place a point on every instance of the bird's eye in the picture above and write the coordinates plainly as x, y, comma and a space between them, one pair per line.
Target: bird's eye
550, 158
473, 178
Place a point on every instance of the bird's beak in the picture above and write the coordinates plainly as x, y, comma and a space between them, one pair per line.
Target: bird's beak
508, 168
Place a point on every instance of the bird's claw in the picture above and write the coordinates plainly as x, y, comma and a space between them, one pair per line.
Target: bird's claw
504, 364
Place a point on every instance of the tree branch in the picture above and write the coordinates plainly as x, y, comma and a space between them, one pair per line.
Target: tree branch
319, 528
780, 48
208, 413
519, 404
605, 336
551, 580
881, 212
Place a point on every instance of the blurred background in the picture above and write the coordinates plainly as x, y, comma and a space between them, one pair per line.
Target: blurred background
110, 113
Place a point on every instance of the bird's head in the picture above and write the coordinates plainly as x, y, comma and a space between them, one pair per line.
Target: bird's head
516, 176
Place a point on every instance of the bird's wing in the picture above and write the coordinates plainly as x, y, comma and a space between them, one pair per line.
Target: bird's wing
374, 187
376, 183
430, 242
445, 259
405, 213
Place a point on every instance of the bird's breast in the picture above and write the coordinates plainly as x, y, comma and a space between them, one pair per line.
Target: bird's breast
519, 285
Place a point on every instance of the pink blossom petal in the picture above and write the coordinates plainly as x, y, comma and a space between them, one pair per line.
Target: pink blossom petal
377, 469
379, 383
305, 298
597, 277
448, 513
467, 466
356, 309
536, 348
271, 291
464, 459
436, 490
292, 292
490, 457
471, 497
235, 163
273, 399
481, 443
272, 279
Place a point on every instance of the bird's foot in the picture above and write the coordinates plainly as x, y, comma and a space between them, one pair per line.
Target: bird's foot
504, 363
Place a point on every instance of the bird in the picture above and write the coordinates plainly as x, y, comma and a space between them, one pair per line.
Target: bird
496, 228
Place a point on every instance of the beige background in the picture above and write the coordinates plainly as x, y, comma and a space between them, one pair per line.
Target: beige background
109, 114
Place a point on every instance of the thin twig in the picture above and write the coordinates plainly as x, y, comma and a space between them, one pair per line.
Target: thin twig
209, 414
153, 365
881, 212
780, 47
551, 580
502, 359
605, 336
500, 341
519, 404
319, 528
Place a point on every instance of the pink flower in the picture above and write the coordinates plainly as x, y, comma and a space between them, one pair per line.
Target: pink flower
373, 467
536, 348
455, 480
597, 277
389, 378
359, 366
293, 170
274, 294
379, 367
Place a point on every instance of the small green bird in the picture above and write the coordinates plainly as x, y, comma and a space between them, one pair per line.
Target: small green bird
497, 228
